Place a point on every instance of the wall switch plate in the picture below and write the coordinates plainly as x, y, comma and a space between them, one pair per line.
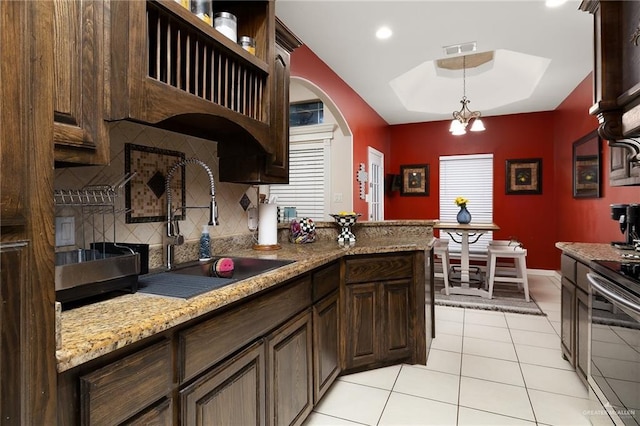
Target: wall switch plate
252, 218
65, 231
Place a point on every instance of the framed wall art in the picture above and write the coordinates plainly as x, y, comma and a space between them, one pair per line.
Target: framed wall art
524, 176
415, 179
145, 197
586, 166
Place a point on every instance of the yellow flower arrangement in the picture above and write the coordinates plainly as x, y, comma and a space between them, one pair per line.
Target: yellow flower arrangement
461, 202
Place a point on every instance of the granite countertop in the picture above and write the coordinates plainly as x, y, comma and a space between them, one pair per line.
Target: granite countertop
594, 251
94, 330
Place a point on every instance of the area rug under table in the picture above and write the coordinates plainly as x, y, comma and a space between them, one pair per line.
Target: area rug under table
506, 298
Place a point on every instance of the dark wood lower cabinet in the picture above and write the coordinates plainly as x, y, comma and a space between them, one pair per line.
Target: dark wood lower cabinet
290, 369
575, 308
382, 303
567, 325
326, 365
122, 389
160, 414
265, 361
232, 394
582, 334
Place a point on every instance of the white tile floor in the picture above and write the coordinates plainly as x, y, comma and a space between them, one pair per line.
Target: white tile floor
484, 368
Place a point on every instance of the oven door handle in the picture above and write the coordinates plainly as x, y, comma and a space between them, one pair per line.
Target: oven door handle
605, 288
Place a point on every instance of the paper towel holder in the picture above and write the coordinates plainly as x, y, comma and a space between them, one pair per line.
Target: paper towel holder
267, 247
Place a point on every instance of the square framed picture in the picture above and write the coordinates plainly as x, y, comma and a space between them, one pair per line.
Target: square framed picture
145, 195
415, 179
524, 176
586, 166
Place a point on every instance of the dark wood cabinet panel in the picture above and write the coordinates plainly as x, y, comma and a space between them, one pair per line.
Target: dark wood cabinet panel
396, 311
378, 267
290, 367
575, 308
160, 414
122, 389
210, 342
12, 282
383, 304
272, 165
80, 133
617, 84
582, 334
361, 325
27, 318
232, 394
326, 366
325, 281
567, 325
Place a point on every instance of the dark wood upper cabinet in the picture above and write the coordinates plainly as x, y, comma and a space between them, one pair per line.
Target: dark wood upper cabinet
617, 84
81, 135
272, 166
156, 63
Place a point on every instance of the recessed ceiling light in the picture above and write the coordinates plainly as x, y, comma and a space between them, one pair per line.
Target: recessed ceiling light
384, 33
555, 3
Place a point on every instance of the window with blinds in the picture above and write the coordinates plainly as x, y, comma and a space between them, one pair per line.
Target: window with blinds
471, 177
305, 190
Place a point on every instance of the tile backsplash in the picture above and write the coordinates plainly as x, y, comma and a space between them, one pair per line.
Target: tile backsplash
101, 226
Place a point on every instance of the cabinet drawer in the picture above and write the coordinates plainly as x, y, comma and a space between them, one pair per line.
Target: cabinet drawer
581, 276
117, 391
325, 281
208, 343
378, 268
568, 268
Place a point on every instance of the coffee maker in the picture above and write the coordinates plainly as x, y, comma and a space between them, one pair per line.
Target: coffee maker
628, 216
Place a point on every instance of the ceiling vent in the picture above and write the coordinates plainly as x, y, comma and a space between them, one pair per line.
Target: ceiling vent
456, 49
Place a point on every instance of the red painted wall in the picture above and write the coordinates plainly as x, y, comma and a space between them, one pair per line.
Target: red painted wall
526, 217
539, 221
586, 220
367, 127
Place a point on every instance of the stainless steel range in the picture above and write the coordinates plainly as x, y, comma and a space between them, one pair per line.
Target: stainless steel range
614, 376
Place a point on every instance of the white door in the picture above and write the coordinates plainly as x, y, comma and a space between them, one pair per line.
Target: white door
375, 197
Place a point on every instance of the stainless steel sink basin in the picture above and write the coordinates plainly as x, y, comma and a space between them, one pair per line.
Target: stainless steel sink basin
194, 278
244, 267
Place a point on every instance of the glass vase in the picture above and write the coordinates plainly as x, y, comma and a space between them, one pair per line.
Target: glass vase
464, 216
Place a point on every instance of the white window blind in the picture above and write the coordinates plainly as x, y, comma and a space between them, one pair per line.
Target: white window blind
305, 190
471, 177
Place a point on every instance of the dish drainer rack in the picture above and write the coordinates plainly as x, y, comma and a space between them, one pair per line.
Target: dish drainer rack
91, 267
98, 210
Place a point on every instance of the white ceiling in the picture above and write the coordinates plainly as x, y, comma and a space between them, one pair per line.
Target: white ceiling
542, 53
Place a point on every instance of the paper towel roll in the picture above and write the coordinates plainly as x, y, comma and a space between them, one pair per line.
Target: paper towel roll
268, 224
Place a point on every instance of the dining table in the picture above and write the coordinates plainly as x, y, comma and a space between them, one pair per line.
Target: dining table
465, 234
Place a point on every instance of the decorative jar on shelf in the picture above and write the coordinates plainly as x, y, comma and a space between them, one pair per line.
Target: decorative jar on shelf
346, 221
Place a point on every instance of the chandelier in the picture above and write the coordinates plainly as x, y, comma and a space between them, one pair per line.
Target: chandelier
462, 118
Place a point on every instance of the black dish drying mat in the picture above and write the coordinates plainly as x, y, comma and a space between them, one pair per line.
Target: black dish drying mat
182, 286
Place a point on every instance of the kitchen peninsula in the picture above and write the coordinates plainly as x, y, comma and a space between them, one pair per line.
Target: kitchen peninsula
333, 310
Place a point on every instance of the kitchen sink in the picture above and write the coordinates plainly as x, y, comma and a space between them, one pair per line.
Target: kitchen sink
193, 278
244, 267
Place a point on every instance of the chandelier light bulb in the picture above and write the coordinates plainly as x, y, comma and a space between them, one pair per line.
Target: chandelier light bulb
477, 126
462, 118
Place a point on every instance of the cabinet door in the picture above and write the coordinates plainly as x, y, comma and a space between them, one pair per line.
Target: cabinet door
160, 414
568, 312
290, 389
361, 326
232, 394
396, 337
277, 164
116, 392
80, 132
325, 345
582, 334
